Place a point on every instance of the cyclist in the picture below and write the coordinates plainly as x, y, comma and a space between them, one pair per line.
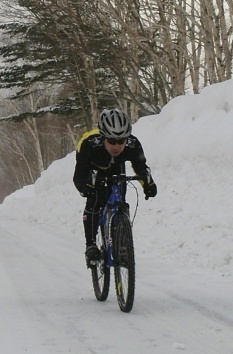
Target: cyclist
106, 150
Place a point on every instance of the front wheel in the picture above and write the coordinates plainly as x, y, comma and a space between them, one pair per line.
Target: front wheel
101, 272
124, 262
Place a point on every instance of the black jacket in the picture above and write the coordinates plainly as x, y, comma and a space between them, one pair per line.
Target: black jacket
92, 155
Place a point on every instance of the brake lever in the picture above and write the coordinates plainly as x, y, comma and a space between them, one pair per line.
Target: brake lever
93, 177
148, 175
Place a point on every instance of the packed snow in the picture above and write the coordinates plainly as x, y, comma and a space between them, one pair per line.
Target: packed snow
183, 247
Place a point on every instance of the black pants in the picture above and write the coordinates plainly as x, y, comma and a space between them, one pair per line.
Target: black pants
91, 217
92, 210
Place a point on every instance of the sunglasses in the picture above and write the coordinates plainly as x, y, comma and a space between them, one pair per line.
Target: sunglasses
112, 141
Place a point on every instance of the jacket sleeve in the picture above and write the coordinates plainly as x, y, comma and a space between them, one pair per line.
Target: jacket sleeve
82, 167
138, 158
138, 161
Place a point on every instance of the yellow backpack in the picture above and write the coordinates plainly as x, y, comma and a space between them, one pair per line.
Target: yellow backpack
85, 136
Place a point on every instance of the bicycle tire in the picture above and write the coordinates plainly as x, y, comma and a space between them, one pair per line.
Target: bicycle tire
124, 269
101, 273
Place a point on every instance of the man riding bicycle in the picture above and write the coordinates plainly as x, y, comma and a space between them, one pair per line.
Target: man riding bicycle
106, 150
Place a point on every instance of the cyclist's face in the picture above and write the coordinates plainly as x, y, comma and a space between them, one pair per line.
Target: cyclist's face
114, 150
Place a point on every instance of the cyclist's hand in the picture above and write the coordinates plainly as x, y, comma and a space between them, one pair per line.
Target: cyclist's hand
150, 190
88, 191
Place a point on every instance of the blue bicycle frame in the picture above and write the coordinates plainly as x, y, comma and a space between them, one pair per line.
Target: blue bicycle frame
108, 213
107, 217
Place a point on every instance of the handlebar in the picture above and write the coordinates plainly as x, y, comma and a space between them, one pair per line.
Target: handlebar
119, 178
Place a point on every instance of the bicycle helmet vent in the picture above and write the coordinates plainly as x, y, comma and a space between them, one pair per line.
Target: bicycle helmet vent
114, 124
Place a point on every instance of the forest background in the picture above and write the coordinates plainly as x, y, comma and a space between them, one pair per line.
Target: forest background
63, 61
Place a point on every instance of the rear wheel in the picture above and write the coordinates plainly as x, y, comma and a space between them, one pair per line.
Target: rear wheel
124, 262
100, 272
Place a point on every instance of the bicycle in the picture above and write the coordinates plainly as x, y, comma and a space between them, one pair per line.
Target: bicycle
115, 242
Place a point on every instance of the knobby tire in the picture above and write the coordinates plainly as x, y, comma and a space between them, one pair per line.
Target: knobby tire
124, 269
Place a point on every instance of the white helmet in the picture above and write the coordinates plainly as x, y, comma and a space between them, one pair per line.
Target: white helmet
114, 123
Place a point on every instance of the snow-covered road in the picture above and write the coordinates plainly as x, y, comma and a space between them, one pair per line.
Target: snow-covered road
48, 306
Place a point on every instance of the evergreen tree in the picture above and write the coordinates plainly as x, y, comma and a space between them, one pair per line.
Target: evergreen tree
55, 46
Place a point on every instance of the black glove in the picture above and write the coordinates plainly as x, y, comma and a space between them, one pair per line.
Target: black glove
150, 190
88, 191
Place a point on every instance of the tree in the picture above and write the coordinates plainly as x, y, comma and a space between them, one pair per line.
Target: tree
28, 147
